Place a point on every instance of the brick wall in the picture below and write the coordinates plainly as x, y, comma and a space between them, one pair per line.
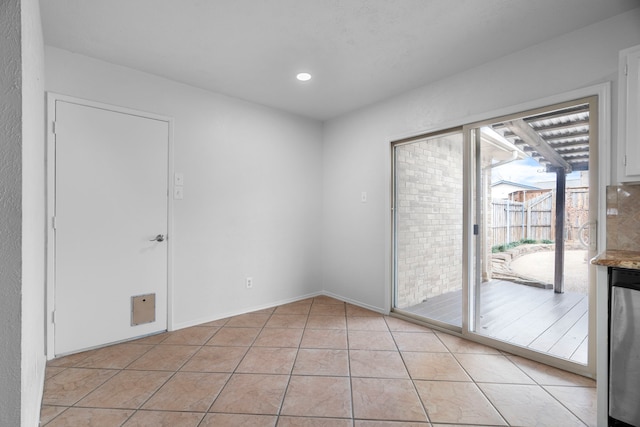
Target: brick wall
428, 218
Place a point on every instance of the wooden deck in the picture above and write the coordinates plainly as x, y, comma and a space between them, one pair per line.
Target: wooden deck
526, 316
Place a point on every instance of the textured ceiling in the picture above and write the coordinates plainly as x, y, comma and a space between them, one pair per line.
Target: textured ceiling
359, 51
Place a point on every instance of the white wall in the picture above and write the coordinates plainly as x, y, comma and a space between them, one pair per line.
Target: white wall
22, 203
10, 213
356, 154
33, 214
252, 192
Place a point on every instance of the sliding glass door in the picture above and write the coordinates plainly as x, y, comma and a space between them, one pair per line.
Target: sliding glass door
494, 227
536, 198
428, 227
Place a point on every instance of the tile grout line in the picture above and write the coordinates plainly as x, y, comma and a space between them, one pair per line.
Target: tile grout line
175, 372
99, 385
231, 374
413, 383
135, 411
478, 386
286, 388
562, 404
543, 388
473, 380
346, 333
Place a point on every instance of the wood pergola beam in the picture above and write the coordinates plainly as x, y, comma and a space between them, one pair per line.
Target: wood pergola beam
533, 139
554, 127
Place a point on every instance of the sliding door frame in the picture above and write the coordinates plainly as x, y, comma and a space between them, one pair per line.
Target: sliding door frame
601, 122
410, 140
473, 139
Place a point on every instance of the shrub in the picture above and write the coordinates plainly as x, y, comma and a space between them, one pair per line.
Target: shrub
506, 246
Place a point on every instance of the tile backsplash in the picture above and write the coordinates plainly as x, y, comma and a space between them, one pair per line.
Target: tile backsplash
623, 217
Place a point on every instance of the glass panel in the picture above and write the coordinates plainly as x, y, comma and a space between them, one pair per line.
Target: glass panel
534, 280
428, 227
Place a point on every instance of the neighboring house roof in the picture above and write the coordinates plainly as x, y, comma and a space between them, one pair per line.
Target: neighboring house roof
514, 184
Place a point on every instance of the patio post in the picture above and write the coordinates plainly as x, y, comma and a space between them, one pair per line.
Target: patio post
561, 184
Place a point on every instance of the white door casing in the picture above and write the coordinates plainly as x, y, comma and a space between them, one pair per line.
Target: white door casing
110, 200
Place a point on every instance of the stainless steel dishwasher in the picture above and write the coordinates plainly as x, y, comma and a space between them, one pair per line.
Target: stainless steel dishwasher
624, 348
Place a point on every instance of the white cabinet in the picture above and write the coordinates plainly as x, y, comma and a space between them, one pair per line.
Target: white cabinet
629, 115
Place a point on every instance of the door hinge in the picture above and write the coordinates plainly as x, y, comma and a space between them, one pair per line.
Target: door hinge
624, 160
475, 229
54, 222
54, 127
53, 317
626, 69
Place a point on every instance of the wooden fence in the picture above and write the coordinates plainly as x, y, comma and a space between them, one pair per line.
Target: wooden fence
535, 218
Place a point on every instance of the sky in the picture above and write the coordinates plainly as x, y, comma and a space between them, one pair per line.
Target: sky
526, 171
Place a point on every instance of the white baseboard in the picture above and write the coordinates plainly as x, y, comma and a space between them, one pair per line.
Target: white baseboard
356, 303
201, 320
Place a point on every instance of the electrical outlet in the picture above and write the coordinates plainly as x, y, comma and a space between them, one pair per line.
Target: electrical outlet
249, 282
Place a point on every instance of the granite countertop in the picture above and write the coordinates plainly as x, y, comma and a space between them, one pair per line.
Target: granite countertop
617, 258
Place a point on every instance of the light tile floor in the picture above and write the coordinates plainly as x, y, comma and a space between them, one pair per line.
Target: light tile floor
317, 362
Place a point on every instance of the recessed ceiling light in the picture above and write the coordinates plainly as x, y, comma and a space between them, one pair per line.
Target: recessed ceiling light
303, 77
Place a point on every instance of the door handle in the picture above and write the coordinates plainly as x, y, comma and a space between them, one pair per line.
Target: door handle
158, 238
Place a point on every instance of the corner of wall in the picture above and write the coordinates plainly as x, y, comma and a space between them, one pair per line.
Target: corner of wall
33, 240
10, 213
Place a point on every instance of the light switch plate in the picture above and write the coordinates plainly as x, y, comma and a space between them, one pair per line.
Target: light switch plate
178, 193
178, 179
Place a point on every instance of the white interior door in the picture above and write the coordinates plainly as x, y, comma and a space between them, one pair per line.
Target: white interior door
111, 172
